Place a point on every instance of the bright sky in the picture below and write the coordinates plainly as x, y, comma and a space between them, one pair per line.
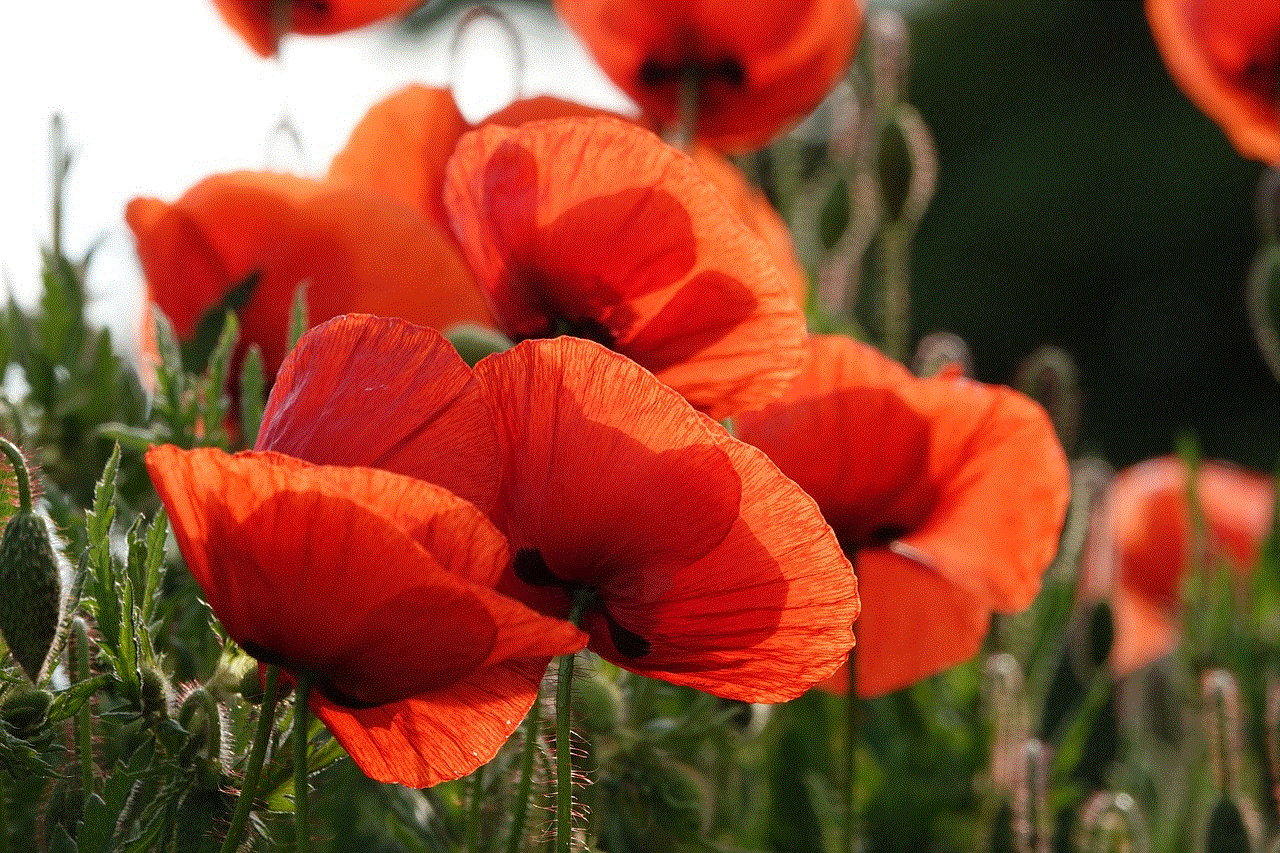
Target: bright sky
157, 94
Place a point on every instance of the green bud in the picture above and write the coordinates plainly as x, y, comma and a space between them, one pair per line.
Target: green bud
251, 686
597, 703
474, 342
156, 693
31, 607
24, 711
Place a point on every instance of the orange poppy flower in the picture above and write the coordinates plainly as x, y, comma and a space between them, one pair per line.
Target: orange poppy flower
400, 147
755, 211
262, 23
596, 228
1223, 54
1141, 546
948, 495
758, 69
422, 669
707, 567
355, 250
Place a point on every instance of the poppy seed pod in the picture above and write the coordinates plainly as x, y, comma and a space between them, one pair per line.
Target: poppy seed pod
30, 576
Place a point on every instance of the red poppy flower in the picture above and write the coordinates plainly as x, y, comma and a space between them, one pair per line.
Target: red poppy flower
948, 495
1141, 547
262, 23
422, 669
708, 567
755, 211
596, 228
758, 69
355, 250
400, 147
1225, 55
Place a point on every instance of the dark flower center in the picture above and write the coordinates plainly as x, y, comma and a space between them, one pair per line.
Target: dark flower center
319, 683
655, 72
530, 567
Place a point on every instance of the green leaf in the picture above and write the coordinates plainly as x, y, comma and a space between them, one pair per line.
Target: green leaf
66, 704
833, 220
98, 827
253, 395
298, 322
198, 352
62, 842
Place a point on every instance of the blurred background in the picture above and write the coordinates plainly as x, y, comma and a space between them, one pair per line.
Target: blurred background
1082, 200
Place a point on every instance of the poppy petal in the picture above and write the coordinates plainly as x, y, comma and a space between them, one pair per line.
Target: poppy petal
1223, 55
439, 735
400, 147
254, 19
757, 74
275, 544
432, 424
712, 569
597, 226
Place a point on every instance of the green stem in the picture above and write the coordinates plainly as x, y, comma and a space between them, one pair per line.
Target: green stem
19, 464
302, 693
852, 737
473, 810
895, 244
532, 723
687, 118
84, 717
564, 761
266, 717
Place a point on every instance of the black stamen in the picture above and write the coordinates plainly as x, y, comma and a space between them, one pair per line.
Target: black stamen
628, 643
531, 568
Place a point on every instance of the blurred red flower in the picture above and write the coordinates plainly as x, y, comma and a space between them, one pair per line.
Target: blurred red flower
262, 23
422, 670
948, 495
595, 228
1142, 545
706, 566
354, 250
1225, 56
759, 68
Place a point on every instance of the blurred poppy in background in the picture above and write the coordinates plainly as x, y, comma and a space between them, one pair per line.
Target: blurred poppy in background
247, 240
262, 23
1145, 541
948, 495
756, 69
595, 228
1225, 55
421, 669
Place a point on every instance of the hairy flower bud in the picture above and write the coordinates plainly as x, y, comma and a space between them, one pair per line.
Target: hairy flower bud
31, 606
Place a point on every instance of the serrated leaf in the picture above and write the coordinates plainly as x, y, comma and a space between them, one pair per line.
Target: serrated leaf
157, 534
66, 704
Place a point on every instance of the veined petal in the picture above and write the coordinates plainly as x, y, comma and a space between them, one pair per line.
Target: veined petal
711, 569
432, 424
596, 227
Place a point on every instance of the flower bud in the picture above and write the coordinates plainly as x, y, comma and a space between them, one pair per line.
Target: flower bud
24, 710
31, 607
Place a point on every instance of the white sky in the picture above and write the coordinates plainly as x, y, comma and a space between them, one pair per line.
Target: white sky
157, 94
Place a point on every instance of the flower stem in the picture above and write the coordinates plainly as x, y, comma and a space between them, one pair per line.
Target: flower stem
564, 761
852, 736
19, 471
266, 717
302, 693
84, 717
532, 723
687, 117
473, 810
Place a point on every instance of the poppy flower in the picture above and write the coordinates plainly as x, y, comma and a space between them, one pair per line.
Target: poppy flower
948, 496
355, 250
421, 669
1141, 546
705, 566
262, 23
595, 228
1225, 56
400, 147
756, 73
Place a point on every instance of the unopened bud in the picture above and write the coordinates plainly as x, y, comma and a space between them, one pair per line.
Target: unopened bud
24, 711
597, 703
31, 606
474, 342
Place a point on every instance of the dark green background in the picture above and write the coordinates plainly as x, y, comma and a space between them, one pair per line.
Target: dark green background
1084, 201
